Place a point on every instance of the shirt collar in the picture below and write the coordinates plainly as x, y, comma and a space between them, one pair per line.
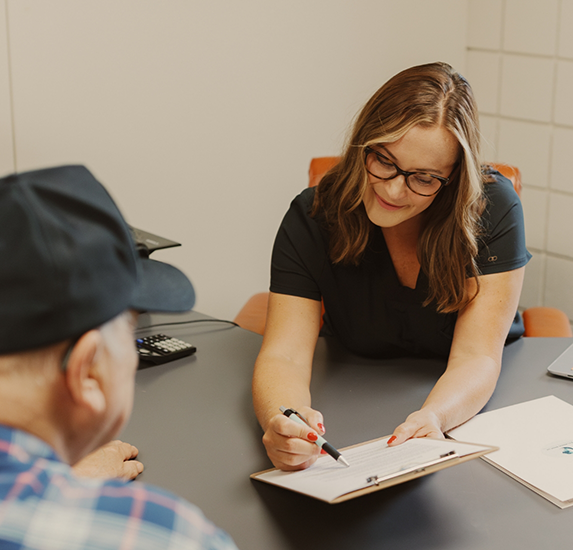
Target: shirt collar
23, 446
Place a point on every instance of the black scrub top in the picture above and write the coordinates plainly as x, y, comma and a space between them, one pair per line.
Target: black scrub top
366, 307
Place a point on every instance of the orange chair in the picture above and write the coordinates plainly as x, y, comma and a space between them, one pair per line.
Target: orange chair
318, 167
538, 321
546, 321
253, 315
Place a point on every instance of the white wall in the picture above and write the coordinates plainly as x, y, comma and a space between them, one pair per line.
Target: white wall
6, 135
201, 116
520, 64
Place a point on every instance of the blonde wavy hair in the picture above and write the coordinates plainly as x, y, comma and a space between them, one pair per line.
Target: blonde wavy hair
427, 95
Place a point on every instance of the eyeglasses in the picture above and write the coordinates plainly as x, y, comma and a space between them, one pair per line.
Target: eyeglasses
66, 358
421, 183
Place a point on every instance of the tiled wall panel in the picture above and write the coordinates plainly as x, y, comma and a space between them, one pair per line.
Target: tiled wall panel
525, 48
527, 87
532, 293
517, 139
535, 212
483, 72
560, 226
559, 274
565, 27
562, 160
485, 18
564, 93
530, 26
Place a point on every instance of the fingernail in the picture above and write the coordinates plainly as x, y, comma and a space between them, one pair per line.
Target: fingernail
322, 452
321, 427
392, 439
312, 436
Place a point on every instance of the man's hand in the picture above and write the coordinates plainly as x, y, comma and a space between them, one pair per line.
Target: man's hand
113, 460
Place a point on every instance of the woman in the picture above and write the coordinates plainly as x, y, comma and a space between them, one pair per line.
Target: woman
413, 249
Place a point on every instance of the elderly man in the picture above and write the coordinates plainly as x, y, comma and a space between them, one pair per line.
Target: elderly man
71, 285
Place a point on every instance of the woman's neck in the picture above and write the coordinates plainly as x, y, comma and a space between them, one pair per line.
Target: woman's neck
402, 243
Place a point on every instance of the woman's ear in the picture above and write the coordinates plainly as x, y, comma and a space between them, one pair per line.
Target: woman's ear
83, 377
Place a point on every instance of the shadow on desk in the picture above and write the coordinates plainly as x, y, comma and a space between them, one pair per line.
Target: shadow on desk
309, 524
361, 398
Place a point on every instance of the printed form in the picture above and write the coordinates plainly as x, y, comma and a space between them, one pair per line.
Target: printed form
370, 463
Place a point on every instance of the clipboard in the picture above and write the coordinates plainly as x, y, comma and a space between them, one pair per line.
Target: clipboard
332, 483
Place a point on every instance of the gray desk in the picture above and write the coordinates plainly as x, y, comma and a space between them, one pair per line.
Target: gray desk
198, 436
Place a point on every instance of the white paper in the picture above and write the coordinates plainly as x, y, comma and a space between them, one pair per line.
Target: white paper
327, 479
535, 441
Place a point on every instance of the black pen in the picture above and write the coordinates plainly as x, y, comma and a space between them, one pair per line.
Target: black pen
321, 442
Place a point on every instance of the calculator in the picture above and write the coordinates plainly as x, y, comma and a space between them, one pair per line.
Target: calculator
159, 348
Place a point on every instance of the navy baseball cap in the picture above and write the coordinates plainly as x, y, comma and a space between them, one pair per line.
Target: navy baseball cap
68, 262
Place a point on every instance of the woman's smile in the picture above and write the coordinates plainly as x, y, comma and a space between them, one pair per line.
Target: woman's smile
387, 205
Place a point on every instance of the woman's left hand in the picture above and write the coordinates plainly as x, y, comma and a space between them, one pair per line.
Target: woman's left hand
422, 423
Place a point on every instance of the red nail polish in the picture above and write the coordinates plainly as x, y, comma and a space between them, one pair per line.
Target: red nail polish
392, 439
321, 427
312, 436
322, 452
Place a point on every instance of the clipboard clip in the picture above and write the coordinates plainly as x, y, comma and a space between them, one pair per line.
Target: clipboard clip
376, 480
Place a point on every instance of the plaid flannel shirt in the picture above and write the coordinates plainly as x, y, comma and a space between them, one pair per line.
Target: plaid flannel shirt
43, 505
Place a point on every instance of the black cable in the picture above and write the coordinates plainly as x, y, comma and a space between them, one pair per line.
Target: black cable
188, 323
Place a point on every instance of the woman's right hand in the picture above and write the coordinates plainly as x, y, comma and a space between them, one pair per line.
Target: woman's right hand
290, 445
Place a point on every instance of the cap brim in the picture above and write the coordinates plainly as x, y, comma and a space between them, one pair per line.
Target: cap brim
162, 287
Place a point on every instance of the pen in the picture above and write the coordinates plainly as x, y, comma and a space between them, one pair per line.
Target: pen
321, 442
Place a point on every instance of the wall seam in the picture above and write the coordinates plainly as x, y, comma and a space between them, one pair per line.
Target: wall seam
547, 57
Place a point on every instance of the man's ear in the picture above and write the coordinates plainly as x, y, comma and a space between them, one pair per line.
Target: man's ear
83, 377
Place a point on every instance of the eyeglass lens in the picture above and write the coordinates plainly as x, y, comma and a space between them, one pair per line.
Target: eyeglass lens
383, 168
